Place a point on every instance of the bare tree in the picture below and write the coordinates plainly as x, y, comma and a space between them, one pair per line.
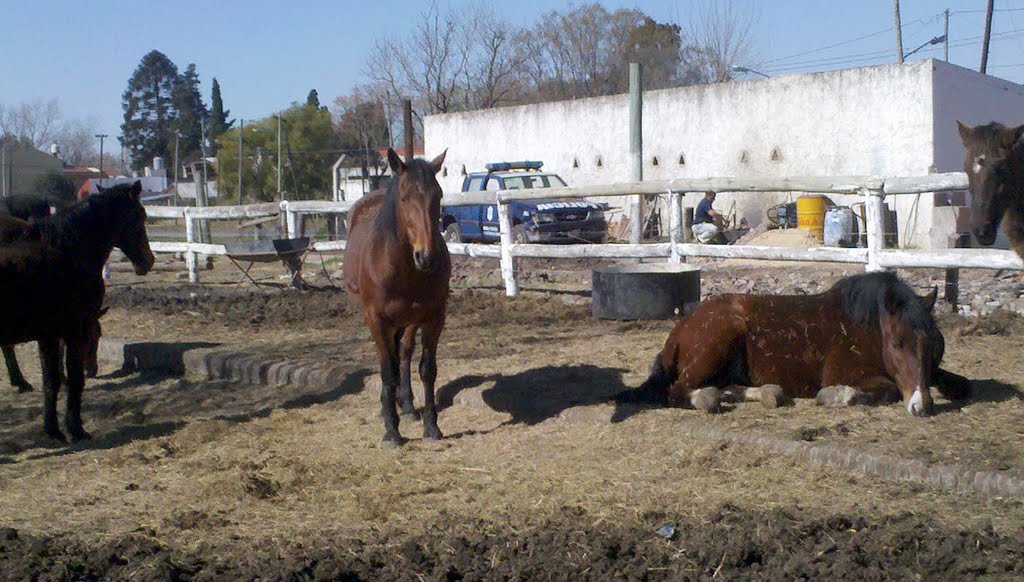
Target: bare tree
42, 123
723, 37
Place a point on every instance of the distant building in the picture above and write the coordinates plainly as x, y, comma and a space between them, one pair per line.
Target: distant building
80, 174
193, 175
21, 165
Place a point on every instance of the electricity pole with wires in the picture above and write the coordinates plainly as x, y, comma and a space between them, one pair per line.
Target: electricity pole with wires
945, 35
899, 34
988, 36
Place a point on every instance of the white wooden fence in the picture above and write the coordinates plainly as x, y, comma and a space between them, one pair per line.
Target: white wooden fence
873, 189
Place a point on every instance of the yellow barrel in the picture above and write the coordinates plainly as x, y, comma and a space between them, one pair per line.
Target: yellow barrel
810, 214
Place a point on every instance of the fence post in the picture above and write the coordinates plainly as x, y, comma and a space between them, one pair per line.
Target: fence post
874, 194
191, 262
508, 267
675, 225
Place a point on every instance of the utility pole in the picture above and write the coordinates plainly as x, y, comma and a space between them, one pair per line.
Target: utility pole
407, 105
102, 136
241, 128
3, 166
899, 34
988, 36
945, 34
201, 202
636, 149
177, 135
279, 193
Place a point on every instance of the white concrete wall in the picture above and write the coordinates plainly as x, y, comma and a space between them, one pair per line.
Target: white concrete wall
866, 121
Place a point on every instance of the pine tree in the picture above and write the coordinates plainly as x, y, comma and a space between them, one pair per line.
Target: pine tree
313, 99
218, 116
192, 112
149, 110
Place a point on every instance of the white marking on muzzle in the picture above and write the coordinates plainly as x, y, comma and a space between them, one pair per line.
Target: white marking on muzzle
915, 405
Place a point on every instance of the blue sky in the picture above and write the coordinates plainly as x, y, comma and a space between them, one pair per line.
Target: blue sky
268, 54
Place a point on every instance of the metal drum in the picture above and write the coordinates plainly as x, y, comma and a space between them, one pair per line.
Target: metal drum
645, 291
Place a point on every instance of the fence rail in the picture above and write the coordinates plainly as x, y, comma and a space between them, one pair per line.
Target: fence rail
874, 189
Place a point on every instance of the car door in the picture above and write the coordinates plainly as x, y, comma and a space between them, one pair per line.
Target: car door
489, 213
469, 216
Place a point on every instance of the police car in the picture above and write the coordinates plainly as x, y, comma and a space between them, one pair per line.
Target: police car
533, 221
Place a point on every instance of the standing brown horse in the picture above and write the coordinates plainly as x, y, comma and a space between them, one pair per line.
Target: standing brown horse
53, 288
869, 334
994, 164
398, 265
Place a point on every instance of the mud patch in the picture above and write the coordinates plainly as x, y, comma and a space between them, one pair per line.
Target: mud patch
733, 544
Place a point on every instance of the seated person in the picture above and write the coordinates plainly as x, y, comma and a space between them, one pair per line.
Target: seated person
706, 221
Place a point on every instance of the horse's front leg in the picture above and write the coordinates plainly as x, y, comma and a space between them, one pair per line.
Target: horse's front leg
387, 349
408, 347
428, 374
14, 370
49, 358
74, 351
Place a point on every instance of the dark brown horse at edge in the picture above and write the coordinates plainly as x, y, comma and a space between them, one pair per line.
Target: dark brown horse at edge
867, 339
13, 229
398, 266
53, 288
994, 163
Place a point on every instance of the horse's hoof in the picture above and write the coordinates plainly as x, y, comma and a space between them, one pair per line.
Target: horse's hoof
390, 442
23, 388
78, 435
707, 399
772, 396
55, 434
432, 435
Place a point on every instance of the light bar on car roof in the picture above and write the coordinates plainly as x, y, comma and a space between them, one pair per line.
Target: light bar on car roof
506, 166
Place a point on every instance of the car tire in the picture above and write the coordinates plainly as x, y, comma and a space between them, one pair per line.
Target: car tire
519, 234
452, 233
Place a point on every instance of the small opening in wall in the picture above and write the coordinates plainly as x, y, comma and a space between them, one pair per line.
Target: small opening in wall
575, 163
599, 162
682, 160
444, 171
654, 161
776, 155
463, 169
744, 157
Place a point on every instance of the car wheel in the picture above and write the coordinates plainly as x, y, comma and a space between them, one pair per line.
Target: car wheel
519, 234
452, 233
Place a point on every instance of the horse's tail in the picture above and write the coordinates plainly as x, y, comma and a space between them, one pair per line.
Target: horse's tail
655, 388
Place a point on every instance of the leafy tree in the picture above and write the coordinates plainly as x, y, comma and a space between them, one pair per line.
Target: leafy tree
56, 188
218, 116
149, 109
313, 99
309, 147
192, 112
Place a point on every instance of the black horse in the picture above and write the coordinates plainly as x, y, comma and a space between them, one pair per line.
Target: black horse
19, 208
53, 288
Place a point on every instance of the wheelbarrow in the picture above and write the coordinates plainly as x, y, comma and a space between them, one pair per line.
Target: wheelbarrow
290, 251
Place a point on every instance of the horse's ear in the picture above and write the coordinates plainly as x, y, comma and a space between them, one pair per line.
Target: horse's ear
965, 131
929, 300
396, 163
100, 188
136, 190
437, 162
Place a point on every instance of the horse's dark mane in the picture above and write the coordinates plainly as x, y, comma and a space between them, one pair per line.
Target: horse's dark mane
387, 219
72, 224
865, 295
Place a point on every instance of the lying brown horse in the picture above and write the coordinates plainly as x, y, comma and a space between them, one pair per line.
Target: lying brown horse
865, 339
994, 164
14, 229
53, 288
398, 265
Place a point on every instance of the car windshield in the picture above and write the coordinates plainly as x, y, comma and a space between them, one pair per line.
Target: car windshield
527, 181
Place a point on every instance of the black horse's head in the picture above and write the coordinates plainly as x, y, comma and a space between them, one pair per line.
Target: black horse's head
122, 208
418, 206
991, 167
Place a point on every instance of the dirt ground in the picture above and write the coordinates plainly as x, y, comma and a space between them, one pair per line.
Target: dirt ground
541, 477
